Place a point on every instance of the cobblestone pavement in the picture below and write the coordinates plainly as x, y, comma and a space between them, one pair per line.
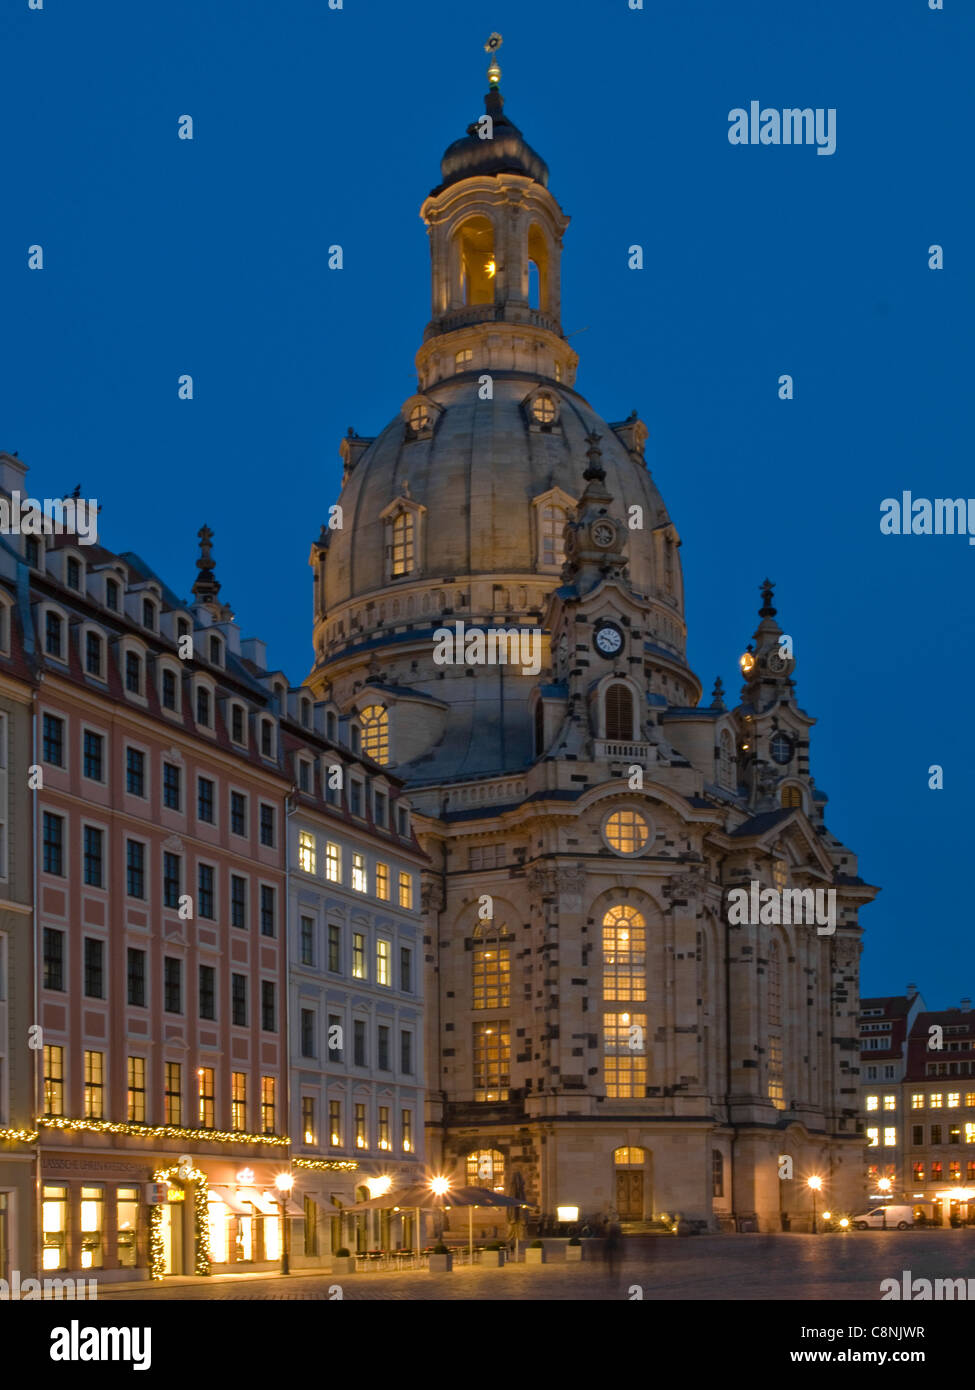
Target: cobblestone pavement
800, 1267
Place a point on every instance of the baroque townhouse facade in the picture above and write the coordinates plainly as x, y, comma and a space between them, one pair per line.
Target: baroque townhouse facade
939, 1114
885, 1026
168, 762
600, 1033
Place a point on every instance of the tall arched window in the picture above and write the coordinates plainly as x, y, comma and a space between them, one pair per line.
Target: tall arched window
792, 798
485, 1168
619, 711
477, 265
552, 548
491, 968
624, 954
776, 1089
402, 543
375, 733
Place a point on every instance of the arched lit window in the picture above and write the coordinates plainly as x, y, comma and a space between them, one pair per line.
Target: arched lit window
491, 967
631, 1157
552, 521
375, 733
619, 711
624, 954
402, 543
792, 798
776, 1092
478, 267
485, 1168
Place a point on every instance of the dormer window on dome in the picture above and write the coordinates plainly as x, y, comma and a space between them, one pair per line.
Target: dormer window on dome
420, 416
403, 521
543, 408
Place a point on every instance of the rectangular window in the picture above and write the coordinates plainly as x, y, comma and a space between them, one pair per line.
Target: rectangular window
334, 948
334, 1038
53, 959
359, 1042
890, 1138
238, 813
379, 804
137, 1089
53, 1079
168, 689
135, 868
92, 1225
308, 1032
382, 1050
383, 1137
238, 901
306, 851
94, 861
917, 1135
204, 799
492, 1061
304, 775
359, 873
94, 968
208, 992
307, 942
333, 862
135, 772
172, 878
172, 787
269, 1018
406, 1053
268, 913
238, 1100
267, 825
94, 746
405, 890
94, 1085
403, 821
204, 891
53, 844
625, 1067
335, 1123
238, 1000
361, 1141
53, 740
203, 706
382, 882
935, 1100
406, 1125
935, 1134
309, 1129
872, 1102
204, 1091
52, 634
954, 1100
917, 1100
355, 798
93, 654
136, 977
358, 956
174, 1093
267, 738
268, 1104
54, 1223
173, 984
237, 724
384, 953
406, 970
890, 1102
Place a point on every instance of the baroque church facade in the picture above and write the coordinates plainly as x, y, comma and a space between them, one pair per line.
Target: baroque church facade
599, 1034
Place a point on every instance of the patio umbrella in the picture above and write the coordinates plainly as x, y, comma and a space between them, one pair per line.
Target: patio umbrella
421, 1197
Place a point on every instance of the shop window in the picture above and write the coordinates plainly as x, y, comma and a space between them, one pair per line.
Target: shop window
92, 1227
54, 1221
127, 1226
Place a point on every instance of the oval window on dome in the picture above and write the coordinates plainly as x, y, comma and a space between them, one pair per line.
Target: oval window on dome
627, 832
543, 409
420, 417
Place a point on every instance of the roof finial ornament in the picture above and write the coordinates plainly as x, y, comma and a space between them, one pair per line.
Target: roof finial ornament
494, 69
207, 586
717, 694
594, 454
766, 610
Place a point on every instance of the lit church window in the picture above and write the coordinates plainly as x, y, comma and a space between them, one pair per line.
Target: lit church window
619, 711
624, 955
492, 976
492, 1060
485, 1168
776, 1088
625, 1055
375, 733
419, 418
403, 543
627, 832
792, 798
543, 409
552, 536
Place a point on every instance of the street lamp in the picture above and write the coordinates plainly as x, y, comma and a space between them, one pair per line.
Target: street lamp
884, 1185
284, 1182
440, 1187
814, 1184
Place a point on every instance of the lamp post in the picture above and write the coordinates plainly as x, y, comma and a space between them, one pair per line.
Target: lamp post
884, 1186
814, 1184
440, 1187
284, 1182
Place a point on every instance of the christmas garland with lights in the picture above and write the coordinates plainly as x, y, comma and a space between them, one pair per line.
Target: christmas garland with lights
141, 1131
201, 1221
327, 1165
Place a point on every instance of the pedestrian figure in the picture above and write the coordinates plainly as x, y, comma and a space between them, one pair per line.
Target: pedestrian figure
612, 1249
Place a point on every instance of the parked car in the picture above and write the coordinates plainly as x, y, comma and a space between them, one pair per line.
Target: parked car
891, 1217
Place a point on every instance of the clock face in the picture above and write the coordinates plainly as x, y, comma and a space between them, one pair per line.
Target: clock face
608, 639
603, 534
775, 662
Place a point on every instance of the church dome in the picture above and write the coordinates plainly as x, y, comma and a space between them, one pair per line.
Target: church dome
507, 152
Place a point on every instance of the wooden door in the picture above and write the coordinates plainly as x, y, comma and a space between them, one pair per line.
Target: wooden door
629, 1194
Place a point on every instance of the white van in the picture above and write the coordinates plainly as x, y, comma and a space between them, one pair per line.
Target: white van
894, 1218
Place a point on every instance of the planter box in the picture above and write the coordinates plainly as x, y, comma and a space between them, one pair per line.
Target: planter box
493, 1259
441, 1264
534, 1255
573, 1253
343, 1264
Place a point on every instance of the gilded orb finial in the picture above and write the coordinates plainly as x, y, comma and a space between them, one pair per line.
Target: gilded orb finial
494, 70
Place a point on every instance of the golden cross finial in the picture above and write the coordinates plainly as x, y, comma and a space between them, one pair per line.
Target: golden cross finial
492, 46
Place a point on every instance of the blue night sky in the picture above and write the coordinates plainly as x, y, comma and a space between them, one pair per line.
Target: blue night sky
315, 126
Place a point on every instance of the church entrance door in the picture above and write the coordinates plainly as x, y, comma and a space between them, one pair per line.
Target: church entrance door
629, 1195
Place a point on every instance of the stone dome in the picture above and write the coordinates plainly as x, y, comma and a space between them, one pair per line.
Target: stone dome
507, 152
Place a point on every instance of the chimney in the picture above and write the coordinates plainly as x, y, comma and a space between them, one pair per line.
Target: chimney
966, 1005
